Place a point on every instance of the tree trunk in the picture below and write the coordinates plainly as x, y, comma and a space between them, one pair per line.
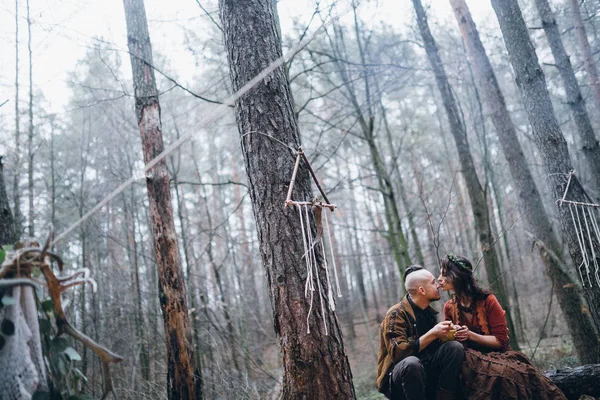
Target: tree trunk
590, 147
546, 133
402, 190
474, 188
188, 249
315, 365
52, 178
30, 154
7, 228
395, 237
84, 147
132, 252
577, 382
580, 327
182, 379
17, 172
255, 310
357, 261
588, 58
344, 309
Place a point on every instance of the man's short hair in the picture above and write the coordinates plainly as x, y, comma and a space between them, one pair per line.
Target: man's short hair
410, 270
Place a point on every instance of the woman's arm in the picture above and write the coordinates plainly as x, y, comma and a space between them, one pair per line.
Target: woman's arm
498, 337
488, 341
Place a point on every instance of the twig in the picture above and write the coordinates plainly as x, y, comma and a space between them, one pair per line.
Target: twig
288, 198
209, 16
545, 322
571, 173
315, 178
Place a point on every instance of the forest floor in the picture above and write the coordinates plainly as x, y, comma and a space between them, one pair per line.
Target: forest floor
551, 353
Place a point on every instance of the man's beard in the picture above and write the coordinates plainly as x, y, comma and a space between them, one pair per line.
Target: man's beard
439, 296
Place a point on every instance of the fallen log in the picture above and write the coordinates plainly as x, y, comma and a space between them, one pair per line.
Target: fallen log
576, 382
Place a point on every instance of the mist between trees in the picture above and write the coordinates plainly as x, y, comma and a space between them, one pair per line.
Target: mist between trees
450, 134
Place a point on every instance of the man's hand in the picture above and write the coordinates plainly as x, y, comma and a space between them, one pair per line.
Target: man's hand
442, 329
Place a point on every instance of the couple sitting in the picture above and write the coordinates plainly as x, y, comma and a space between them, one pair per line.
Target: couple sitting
465, 356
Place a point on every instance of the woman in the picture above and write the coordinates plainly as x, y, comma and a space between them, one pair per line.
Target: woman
492, 370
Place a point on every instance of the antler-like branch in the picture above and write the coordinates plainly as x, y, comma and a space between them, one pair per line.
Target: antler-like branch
22, 262
9, 283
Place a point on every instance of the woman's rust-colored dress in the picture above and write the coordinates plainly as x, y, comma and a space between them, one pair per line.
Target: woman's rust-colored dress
496, 374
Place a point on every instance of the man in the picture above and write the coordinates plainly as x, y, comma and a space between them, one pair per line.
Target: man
413, 362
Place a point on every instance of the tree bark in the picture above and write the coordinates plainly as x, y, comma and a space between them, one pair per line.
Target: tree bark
580, 327
182, 376
7, 227
132, 253
546, 133
588, 58
576, 382
188, 249
315, 365
52, 177
476, 193
30, 153
590, 147
17, 172
357, 262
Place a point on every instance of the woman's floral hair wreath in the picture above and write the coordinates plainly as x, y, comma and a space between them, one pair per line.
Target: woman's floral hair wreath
458, 262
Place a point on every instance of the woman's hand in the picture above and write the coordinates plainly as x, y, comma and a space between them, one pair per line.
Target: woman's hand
462, 333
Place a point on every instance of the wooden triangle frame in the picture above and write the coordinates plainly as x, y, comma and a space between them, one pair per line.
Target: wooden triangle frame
313, 202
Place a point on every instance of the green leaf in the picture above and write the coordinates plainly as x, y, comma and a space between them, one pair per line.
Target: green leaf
47, 306
59, 344
3, 250
80, 375
72, 354
8, 300
62, 367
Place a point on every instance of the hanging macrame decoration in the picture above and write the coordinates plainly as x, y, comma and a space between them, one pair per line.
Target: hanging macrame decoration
311, 244
585, 220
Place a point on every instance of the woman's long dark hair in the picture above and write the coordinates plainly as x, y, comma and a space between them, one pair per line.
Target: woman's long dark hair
459, 271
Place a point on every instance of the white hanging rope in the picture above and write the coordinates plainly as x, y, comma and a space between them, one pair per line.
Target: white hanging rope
337, 281
309, 286
308, 268
597, 232
590, 237
583, 255
312, 266
316, 268
329, 288
587, 227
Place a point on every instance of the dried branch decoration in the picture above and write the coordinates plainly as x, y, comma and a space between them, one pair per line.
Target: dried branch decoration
17, 271
311, 243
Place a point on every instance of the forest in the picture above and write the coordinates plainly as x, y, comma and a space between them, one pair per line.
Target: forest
218, 199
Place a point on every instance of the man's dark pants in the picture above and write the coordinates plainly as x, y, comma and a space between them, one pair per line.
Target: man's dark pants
411, 376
